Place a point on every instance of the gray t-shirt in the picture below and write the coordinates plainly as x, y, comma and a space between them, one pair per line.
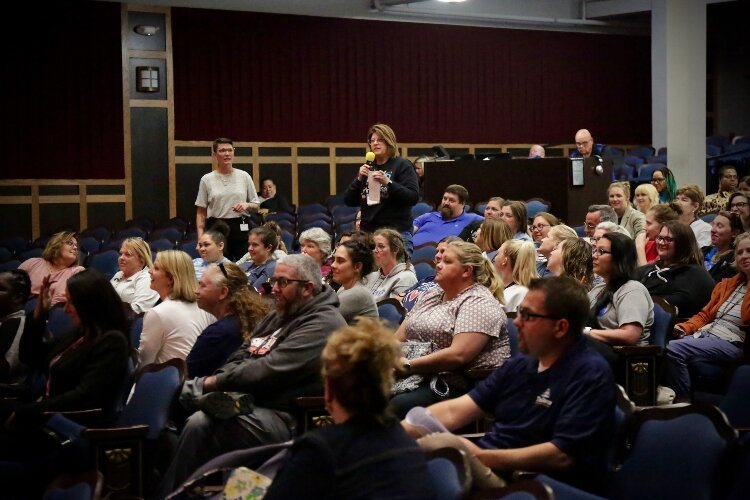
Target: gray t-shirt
631, 303
357, 301
219, 192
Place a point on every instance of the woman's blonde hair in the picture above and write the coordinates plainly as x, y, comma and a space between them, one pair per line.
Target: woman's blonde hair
249, 307
141, 250
387, 134
561, 232
54, 246
358, 364
650, 191
484, 273
625, 186
179, 266
522, 256
494, 233
577, 261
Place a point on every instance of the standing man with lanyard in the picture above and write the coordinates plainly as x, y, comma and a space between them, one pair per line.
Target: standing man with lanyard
227, 194
386, 187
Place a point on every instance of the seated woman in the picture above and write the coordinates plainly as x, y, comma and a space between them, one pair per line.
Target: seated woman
516, 265
366, 454
351, 261
646, 196
632, 220
59, 261
211, 247
690, 198
645, 243
171, 328
316, 243
85, 369
490, 236
739, 203
224, 294
678, 275
394, 274
622, 311
491, 211
554, 237
663, 180
278, 253
514, 213
464, 319
261, 244
717, 333
541, 225
133, 281
413, 294
15, 289
718, 259
573, 258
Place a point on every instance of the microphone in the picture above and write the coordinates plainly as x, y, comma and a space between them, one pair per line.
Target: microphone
370, 159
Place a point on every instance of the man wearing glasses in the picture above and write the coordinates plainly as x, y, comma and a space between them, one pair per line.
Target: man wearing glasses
585, 146
596, 214
553, 406
278, 363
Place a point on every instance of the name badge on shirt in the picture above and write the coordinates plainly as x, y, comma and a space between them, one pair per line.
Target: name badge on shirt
244, 226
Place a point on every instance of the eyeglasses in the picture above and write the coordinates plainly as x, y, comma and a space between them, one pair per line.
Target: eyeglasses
664, 239
223, 271
739, 204
539, 227
72, 243
589, 225
373, 141
225, 150
600, 251
526, 315
283, 282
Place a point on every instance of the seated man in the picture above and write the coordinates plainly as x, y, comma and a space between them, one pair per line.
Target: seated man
449, 221
277, 364
585, 146
273, 202
536, 151
713, 203
595, 215
553, 406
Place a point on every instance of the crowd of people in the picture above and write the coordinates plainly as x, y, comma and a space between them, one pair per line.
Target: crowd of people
251, 317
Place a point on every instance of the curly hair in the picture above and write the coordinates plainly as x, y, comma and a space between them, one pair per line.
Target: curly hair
358, 365
577, 261
249, 307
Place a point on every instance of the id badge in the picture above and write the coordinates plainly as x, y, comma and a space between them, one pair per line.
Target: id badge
244, 227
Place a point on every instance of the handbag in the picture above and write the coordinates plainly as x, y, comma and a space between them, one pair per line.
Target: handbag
412, 349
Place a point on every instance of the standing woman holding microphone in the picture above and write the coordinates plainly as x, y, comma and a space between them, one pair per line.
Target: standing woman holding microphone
386, 186
226, 194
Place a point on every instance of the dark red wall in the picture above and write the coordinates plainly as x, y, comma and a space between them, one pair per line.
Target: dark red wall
296, 78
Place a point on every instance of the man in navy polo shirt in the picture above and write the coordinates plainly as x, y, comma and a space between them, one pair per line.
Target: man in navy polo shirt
449, 221
553, 405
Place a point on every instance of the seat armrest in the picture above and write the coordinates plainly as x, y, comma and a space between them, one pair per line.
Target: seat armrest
116, 433
84, 417
310, 402
638, 350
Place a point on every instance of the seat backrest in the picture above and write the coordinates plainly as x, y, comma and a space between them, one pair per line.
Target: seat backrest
663, 325
736, 402
10, 265
420, 208
534, 206
391, 312
136, 327
423, 270
106, 262
172, 234
189, 247
161, 244
444, 478
155, 387
426, 252
676, 452
59, 323
512, 336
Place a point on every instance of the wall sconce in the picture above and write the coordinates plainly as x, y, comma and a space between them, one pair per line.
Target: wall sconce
147, 79
146, 29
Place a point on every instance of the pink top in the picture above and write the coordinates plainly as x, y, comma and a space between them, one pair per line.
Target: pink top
38, 269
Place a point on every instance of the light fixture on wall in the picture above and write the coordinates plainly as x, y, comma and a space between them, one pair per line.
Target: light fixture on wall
147, 79
146, 29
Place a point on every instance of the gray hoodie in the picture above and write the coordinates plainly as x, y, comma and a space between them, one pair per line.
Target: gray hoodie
400, 279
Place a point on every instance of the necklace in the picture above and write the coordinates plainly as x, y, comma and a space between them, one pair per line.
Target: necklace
225, 178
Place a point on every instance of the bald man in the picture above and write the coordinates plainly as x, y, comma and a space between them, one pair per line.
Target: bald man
536, 151
585, 146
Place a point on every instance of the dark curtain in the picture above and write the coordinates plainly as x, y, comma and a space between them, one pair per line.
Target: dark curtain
62, 92
265, 77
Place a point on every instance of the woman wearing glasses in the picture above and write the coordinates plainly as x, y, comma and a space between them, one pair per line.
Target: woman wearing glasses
622, 311
541, 225
678, 275
690, 198
387, 189
663, 180
718, 258
465, 321
645, 243
394, 274
170, 328
224, 294
739, 203
59, 261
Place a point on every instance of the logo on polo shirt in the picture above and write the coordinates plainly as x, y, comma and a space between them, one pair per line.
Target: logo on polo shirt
543, 399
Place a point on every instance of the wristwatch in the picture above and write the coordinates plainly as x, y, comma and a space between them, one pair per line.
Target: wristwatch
587, 330
407, 366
